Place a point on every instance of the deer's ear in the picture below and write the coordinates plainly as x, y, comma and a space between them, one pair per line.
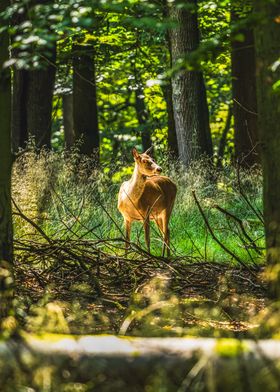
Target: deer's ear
135, 153
150, 149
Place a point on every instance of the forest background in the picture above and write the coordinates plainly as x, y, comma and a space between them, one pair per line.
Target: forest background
82, 83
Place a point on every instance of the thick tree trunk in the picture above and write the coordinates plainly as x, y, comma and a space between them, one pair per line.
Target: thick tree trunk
6, 254
19, 110
142, 117
32, 96
68, 123
19, 89
40, 87
189, 94
268, 75
171, 132
84, 100
172, 142
244, 93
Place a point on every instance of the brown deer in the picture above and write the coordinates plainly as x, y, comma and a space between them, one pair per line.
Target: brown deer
147, 196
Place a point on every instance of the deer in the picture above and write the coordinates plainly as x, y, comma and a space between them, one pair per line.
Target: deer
147, 196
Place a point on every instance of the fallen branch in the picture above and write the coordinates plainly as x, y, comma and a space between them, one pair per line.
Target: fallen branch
240, 223
114, 364
215, 238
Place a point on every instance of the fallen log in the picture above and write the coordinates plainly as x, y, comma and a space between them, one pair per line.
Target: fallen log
111, 363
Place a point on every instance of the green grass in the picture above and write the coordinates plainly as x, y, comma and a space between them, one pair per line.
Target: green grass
68, 198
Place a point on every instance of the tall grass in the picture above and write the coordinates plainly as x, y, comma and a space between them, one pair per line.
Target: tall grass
68, 197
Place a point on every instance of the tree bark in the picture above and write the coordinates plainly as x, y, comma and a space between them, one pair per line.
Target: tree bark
171, 127
85, 111
39, 95
32, 95
223, 140
6, 248
19, 110
142, 116
244, 93
189, 94
172, 142
68, 123
267, 35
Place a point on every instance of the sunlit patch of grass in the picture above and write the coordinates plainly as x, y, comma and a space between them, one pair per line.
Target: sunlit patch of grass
68, 197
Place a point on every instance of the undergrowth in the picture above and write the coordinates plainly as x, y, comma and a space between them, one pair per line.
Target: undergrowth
67, 197
72, 273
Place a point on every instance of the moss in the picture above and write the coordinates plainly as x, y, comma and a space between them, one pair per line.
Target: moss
230, 347
50, 337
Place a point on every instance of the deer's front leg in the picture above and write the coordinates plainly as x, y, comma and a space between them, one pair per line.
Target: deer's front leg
147, 232
127, 233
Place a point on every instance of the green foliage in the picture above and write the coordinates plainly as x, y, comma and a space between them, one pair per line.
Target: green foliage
130, 51
73, 194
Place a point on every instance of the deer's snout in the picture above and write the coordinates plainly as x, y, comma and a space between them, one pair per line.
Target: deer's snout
158, 169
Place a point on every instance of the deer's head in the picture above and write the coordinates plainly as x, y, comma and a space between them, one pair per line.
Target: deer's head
145, 163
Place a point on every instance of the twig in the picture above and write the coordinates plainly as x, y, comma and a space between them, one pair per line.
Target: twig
240, 223
234, 256
246, 198
22, 215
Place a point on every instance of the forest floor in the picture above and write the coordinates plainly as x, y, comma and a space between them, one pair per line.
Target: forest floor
73, 276
77, 287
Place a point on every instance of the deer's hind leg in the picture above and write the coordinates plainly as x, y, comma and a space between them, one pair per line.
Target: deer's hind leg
165, 232
160, 225
147, 231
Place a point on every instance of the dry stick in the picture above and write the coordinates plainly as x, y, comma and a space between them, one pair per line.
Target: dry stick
240, 223
244, 108
235, 230
76, 220
84, 267
111, 218
142, 313
194, 244
216, 239
72, 214
245, 245
240, 161
22, 215
222, 143
257, 213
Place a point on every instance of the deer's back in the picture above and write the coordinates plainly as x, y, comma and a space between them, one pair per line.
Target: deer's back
159, 194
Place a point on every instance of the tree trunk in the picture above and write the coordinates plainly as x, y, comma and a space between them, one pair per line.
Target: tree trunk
142, 116
223, 140
85, 112
171, 127
189, 94
244, 93
172, 142
67, 107
6, 253
268, 75
32, 95
39, 95
19, 110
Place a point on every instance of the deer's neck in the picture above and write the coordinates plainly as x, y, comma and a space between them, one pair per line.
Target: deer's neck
137, 185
